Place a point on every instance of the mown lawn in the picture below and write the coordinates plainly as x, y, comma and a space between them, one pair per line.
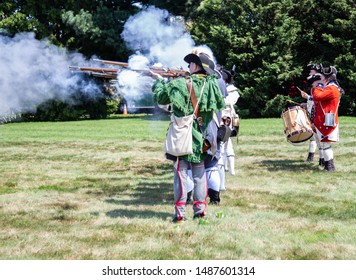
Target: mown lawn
103, 190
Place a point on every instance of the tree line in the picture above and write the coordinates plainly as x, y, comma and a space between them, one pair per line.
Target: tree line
269, 42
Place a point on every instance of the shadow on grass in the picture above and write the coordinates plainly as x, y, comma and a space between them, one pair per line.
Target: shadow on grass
148, 194
141, 214
288, 165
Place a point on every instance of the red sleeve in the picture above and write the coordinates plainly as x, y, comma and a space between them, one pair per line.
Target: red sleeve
323, 94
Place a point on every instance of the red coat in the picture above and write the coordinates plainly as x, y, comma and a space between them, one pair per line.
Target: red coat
326, 100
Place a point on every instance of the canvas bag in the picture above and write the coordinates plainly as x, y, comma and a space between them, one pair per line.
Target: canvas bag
179, 139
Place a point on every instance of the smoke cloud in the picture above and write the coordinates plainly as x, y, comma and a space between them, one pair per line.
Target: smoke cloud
158, 38
33, 71
156, 35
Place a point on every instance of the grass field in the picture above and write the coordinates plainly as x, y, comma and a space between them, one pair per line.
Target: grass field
103, 190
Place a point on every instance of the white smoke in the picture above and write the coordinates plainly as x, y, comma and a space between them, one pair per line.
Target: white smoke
153, 34
157, 38
33, 71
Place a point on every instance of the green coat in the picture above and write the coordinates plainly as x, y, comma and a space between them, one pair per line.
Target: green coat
177, 93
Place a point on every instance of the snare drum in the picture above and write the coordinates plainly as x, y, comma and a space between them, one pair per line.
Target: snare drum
297, 126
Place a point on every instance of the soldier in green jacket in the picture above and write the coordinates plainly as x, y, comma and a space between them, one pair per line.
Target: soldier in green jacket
176, 92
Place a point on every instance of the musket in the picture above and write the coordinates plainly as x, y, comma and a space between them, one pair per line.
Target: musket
107, 73
123, 64
164, 72
93, 69
111, 62
111, 73
161, 70
103, 75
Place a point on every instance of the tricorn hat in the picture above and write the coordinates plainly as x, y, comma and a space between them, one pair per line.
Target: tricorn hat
316, 67
200, 59
226, 75
328, 71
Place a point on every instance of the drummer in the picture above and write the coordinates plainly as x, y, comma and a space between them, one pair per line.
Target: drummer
326, 93
314, 142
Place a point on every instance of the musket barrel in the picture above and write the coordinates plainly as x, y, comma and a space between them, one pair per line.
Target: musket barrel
102, 70
173, 72
111, 62
112, 72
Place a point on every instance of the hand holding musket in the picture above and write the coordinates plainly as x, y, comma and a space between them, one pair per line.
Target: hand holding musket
168, 73
155, 75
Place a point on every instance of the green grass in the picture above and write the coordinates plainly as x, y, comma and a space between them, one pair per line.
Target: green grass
103, 190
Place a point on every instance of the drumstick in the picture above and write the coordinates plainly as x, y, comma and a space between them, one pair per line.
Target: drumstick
303, 93
301, 90
291, 101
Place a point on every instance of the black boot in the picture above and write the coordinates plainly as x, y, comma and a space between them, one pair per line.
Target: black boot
321, 162
329, 165
189, 197
214, 197
310, 157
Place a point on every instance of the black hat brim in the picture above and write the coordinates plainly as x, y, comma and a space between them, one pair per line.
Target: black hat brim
196, 59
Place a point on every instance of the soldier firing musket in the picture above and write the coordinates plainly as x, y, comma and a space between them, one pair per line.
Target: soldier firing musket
111, 73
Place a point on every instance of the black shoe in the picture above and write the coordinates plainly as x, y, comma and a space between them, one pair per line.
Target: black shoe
321, 162
329, 165
177, 220
212, 202
199, 216
214, 197
310, 157
202, 219
189, 198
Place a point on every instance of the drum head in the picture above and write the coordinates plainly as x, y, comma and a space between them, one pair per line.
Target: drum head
292, 108
300, 136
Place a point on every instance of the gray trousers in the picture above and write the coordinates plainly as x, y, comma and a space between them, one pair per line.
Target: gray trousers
181, 183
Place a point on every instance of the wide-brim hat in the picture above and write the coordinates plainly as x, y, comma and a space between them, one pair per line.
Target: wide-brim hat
226, 75
213, 67
202, 60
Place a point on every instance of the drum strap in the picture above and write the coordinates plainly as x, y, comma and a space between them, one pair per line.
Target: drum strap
337, 107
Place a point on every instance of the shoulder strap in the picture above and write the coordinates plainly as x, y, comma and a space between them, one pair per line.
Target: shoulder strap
195, 103
193, 97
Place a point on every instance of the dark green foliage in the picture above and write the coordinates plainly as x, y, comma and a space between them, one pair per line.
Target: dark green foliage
112, 106
91, 27
98, 31
270, 42
55, 110
183, 8
275, 106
